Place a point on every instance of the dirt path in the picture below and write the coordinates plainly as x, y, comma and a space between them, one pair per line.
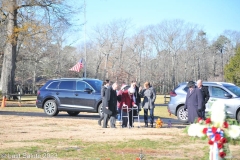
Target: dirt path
23, 127
18, 127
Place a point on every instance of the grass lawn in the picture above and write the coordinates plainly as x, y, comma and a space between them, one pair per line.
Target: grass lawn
158, 111
167, 144
126, 149
160, 99
151, 144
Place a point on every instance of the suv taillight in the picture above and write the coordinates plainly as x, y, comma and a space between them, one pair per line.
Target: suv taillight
172, 94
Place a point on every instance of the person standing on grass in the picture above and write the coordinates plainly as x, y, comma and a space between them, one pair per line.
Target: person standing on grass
205, 95
128, 101
111, 106
136, 96
119, 102
149, 96
105, 85
154, 91
194, 102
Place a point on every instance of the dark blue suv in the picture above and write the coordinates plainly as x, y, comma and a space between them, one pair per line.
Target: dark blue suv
73, 95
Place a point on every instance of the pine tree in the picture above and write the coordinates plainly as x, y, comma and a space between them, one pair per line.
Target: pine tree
232, 69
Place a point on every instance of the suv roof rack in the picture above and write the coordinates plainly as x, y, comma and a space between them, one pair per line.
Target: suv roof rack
78, 79
75, 78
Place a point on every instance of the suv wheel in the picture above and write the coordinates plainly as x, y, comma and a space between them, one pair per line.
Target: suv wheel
238, 116
72, 113
50, 108
182, 115
100, 111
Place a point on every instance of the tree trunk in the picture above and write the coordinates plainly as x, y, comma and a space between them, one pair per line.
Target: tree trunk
9, 66
185, 71
105, 68
198, 69
173, 70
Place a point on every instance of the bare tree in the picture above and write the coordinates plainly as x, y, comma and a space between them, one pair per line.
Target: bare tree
109, 40
50, 10
171, 37
104, 45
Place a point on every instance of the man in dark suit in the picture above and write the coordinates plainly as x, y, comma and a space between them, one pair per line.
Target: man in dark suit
193, 102
205, 95
105, 85
110, 109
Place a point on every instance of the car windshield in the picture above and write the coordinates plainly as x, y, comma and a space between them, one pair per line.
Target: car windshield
234, 89
96, 84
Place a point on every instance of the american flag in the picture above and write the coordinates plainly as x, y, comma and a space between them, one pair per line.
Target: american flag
77, 66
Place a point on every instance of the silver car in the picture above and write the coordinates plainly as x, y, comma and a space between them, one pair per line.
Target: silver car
228, 92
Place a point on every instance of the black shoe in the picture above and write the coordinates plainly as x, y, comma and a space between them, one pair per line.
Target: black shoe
99, 122
146, 125
151, 125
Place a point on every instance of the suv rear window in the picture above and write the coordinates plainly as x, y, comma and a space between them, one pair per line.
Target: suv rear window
53, 85
68, 85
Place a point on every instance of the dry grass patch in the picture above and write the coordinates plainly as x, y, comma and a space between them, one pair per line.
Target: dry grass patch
81, 138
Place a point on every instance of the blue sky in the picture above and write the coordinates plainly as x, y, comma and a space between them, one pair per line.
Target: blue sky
214, 16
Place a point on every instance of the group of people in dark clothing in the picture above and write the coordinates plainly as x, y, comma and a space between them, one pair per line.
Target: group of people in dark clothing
130, 96
196, 99
127, 97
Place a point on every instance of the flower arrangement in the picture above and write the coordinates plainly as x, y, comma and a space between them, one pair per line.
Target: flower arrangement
159, 123
216, 129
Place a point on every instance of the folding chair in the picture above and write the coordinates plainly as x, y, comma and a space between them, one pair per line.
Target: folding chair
126, 108
135, 108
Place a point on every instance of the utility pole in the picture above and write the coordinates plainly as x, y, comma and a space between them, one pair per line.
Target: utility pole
85, 47
140, 65
105, 68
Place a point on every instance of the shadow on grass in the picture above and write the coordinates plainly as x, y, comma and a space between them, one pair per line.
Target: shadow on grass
90, 116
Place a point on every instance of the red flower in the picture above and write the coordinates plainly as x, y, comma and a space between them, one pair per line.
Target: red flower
210, 142
217, 137
225, 125
223, 140
222, 154
220, 145
208, 121
205, 130
214, 130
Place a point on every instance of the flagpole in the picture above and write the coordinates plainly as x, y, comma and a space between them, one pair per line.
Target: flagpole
85, 48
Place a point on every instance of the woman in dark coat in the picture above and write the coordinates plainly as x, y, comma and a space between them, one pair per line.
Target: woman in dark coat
194, 101
149, 97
